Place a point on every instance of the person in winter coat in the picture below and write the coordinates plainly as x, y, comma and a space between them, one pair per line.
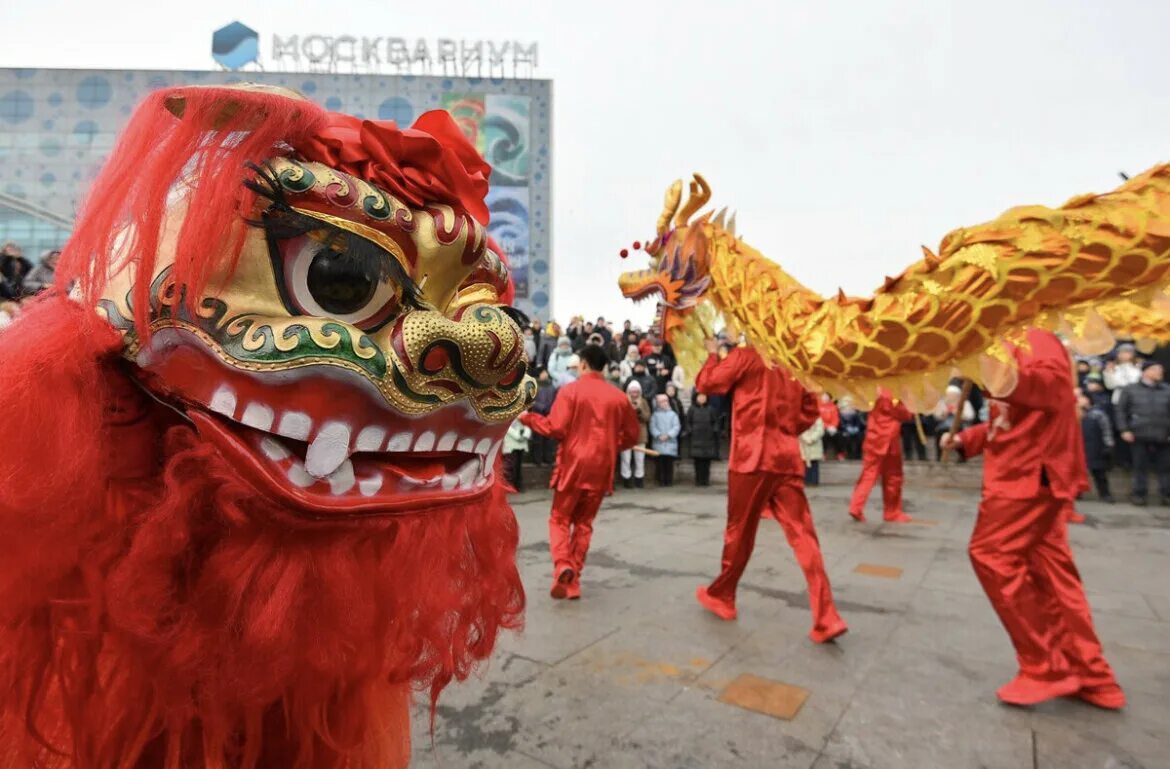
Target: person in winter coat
572, 371
644, 379
665, 428
1143, 420
672, 395
634, 462
704, 427
629, 362
1098, 435
882, 458
41, 276
1122, 372
530, 349
812, 451
1033, 469
852, 431
544, 450
558, 362
515, 446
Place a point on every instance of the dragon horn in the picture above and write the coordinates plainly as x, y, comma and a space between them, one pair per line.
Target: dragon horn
669, 206
731, 225
700, 194
718, 221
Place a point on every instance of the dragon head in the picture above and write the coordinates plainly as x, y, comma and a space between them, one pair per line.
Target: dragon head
679, 273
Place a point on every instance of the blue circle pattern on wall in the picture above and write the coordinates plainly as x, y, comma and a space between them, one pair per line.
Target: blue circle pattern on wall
94, 91
16, 106
77, 112
398, 109
86, 130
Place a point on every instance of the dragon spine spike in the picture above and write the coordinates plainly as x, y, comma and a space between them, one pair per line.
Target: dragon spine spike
718, 220
669, 206
700, 193
731, 225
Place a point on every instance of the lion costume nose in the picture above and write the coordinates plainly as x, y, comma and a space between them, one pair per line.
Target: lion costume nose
479, 349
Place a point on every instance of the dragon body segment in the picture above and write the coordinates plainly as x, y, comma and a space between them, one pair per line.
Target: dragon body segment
1094, 268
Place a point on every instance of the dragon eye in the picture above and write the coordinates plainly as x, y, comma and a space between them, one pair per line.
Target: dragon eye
322, 278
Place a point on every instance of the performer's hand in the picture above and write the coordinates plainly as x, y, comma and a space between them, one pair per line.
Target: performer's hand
1127, 436
712, 345
950, 442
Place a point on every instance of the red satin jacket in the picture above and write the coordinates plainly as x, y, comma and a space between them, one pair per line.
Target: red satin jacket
1033, 436
593, 420
883, 428
770, 410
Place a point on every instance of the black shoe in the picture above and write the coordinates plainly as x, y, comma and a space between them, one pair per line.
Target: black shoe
639, 483
628, 483
1139, 501
1165, 501
1109, 500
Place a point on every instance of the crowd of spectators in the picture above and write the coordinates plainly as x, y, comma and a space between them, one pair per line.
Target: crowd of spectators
20, 278
1125, 408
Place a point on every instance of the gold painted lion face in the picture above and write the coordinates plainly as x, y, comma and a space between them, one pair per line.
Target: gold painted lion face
354, 361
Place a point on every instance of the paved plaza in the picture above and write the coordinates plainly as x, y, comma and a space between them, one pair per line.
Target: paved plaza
637, 675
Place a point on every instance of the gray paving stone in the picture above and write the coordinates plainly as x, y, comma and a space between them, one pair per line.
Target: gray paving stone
699, 732
630, 675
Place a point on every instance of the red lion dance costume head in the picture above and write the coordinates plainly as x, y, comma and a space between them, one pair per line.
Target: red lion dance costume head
248, 496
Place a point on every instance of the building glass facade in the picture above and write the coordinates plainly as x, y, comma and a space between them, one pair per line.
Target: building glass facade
57, 126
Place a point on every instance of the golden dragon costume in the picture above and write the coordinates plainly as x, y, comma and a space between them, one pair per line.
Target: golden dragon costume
1094, 268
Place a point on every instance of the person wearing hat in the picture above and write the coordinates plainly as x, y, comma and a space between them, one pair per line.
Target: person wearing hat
634, 462
593, 421
558, 362
1143, 420
1095, 390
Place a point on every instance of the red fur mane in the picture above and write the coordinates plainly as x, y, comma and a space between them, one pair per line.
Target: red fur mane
154, 614
219, 132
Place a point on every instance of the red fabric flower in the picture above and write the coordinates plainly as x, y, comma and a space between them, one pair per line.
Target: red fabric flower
430, 162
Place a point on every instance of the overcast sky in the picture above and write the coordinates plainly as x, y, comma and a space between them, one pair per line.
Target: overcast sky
846, 134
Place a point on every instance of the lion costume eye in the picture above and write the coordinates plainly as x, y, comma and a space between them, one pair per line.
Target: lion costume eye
323, 278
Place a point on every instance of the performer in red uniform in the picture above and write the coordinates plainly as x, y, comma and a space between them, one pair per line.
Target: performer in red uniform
593, 420
882, 456
769, 411
1019, 548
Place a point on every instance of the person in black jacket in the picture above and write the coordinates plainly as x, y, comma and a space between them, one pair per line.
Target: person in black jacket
542, 449
703, 424
14, 268
1143, 419
1098, 435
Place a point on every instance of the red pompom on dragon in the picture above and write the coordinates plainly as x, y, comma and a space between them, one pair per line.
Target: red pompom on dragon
253, 500
1092, 269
